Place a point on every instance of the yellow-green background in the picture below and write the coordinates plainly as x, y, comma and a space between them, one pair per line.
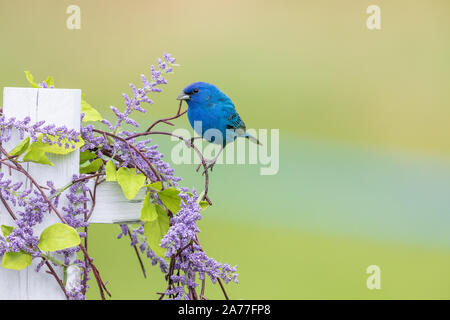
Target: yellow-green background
364, 132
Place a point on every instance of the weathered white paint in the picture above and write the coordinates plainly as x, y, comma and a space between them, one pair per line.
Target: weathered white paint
60, 107
111, 206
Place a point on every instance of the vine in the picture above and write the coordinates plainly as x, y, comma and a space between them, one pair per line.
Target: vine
167, 233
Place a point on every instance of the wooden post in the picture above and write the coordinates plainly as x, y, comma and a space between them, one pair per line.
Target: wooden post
59, 107
111, 206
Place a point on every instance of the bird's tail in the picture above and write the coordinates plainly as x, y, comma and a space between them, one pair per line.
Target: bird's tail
252, 138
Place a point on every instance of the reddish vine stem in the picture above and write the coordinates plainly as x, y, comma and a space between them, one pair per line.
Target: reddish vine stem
202, 292
11, 167
52, 207
218, 279
131, 147
100, 283
166, 120
85, 273
49, 266
53, 273
32, 181
192, 291
8, 208
223, 289
177, 115
189, 144
138, 255
87, 177
135, 149
93, 196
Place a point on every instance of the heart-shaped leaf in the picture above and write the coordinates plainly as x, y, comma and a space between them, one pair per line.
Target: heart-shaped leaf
16, 260
156, 229
130, 181
170, 199
58, 236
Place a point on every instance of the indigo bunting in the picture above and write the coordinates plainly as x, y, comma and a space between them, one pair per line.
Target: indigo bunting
216, 114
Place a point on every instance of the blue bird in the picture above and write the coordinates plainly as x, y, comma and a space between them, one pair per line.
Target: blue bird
213, 116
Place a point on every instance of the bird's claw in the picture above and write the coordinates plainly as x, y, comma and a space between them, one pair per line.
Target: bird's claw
189, 142
208, 165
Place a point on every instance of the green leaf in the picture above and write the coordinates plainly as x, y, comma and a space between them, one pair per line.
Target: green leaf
130, 181
148, 211
86, 155
16, 260
20, 148
30, 79
55, 147
170, 199
91, 166
6, 230
203, 204
90, 113
156, 229
155, 185
49, 81
36, 150
111, 172
37, 156
58, 236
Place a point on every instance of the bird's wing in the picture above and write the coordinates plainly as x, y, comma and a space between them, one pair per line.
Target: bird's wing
233, 121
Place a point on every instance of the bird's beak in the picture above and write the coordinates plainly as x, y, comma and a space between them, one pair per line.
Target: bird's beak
183, 96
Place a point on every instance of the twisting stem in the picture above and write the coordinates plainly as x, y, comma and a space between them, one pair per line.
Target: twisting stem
93, 196
49, 266
138, 255
85, 273
8, 208
32, 181
53, 273
166, 120
202, 292
223, 289
100, 283
67, 186
129, 145
189, 144
133, 152
203, 162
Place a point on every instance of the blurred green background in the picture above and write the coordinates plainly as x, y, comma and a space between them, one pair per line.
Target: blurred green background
364, 132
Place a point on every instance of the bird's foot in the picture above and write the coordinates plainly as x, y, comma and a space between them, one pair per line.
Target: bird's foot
209, 165
190, 142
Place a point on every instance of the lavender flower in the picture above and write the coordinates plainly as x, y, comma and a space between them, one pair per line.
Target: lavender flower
78, 203
189, 263
182, 245
58, 134
140, 97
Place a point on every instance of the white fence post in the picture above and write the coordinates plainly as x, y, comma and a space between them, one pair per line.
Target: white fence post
59, 107
111, 206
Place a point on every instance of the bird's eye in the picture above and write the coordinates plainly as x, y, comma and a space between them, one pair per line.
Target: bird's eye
195, 90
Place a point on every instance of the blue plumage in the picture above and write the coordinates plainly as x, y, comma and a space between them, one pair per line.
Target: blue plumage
214, 110
213, 115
